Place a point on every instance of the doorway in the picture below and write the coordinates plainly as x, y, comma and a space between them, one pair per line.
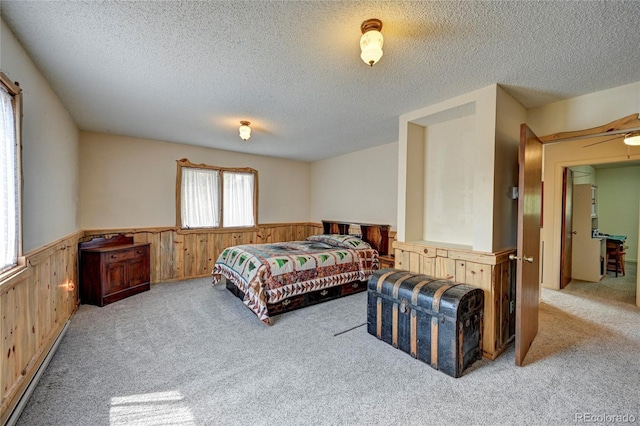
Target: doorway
617, 190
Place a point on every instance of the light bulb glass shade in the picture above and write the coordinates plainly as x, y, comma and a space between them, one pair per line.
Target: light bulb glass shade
245, 130
632, 139
371, 45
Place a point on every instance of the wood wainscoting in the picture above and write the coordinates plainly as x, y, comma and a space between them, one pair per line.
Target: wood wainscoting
492, 272
179, 255
37, 301
35, 304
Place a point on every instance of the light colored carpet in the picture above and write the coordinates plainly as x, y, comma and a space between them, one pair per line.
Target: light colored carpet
188, 353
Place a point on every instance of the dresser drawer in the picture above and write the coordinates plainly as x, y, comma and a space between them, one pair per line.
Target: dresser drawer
125, 254
354, 287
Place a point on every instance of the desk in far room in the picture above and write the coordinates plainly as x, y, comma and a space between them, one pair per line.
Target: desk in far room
615, 253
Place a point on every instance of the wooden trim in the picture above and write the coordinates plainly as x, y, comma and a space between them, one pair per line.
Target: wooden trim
115, 240
186, 163
61, 241
98, 231
179, 193
17, 276
455, 253
13, 87
622, 125
256, 196
92, 232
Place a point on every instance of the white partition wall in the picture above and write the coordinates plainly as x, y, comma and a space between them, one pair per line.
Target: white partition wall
457, 163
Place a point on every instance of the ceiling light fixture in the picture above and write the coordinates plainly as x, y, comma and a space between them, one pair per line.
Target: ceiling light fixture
245, 130
632, 138
371, 41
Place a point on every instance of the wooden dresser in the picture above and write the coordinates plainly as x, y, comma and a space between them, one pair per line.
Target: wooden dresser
113, 269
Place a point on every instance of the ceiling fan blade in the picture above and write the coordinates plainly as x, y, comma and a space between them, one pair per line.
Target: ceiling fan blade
606, 140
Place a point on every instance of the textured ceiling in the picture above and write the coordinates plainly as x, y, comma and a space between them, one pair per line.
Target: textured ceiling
189, 71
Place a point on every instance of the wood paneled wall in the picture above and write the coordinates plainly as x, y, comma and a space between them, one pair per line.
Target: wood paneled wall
178, 255
492, 272
35, 304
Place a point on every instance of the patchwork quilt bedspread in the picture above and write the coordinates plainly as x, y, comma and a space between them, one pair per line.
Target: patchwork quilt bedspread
269, 273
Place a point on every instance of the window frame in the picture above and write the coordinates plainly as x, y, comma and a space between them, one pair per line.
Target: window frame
15, 91
184, 163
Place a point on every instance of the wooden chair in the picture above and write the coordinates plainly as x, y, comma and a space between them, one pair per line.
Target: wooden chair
615, 257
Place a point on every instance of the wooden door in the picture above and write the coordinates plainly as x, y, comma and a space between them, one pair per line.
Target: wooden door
567, 227
528, 255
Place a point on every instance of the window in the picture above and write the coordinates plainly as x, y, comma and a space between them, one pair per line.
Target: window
10, 174
216, 197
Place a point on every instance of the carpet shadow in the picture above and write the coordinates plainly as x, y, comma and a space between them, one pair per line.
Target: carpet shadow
560, 332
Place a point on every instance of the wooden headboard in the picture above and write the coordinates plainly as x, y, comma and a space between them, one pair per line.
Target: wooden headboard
376, 235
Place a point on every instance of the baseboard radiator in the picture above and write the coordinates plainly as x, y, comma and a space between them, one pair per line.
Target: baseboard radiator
15, 415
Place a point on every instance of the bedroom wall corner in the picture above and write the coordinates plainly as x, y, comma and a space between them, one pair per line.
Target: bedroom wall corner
510, 114
357, 187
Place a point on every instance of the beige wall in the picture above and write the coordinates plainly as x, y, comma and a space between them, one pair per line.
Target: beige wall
578, 113
584, 112
130, 182
50, 161
509, 117
449, 181
411, 192
359, 186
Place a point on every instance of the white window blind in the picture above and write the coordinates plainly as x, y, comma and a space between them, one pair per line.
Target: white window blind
9, 211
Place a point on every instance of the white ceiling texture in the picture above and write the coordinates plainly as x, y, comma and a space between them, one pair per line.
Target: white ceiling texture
189, 71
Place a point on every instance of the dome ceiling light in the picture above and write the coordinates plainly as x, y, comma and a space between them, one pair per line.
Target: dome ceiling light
632, 138
371, 41
245, 130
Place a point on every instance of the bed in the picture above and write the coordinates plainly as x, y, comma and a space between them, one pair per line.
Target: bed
271, 279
